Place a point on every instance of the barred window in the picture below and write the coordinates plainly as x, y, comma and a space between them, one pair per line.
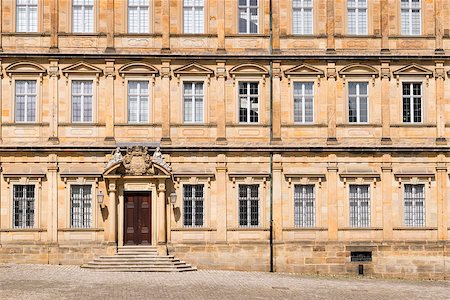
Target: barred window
411, 23
193, 102
23, 206
359, 206
83, 16
80, 206
412, 102
304, 206
357, 102
26, 15
138, 101
302, 16
82, 94
414, 205
193, 205
357, 16
138, 16
248, 205
248, 16
303, 102
25, 105
248, 102
193, 16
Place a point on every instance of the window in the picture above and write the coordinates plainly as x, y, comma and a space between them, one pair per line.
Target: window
193, 16
359, 206
248, 102
302, 16
80, 206
138, 101
82, 101
410, 17
83, 16
414, 205
412, 102
303, 102
193, 102
357, 102
248, 205
357, 16
25, 106
26, 15
304, 206
193, 207
138, 16
23, 206
248, 16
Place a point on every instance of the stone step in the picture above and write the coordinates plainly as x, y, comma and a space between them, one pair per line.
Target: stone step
136, 251
136, 258
142, 269
140, 255
134, 264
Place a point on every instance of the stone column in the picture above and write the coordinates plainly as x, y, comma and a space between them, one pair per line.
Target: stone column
54, 26
220, 26
112, 211
440, 103
442, 213
109, 100
276, 26
277, 169
330, 26
53, 72
386, 185
165, 101
439, 23
384, 12
221, 112
161, 212
276, 104
52, 198
110, 30
331, 102
221, 198
385, 103
332, 214
165, 25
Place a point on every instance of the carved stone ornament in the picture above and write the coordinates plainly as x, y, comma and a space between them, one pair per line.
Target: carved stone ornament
138, 162
115, 159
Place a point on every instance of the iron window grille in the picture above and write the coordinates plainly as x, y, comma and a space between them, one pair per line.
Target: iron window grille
248, 16
358, 102
248, 102
26, 15
357, 17
248, 205
414, 205
193, 102
193, 11
25, 106
303, 102
411, 23
80, 206
193, 205
304, 206
359, 206
302, 16
412, 102
138, 95
23, 206
138, 16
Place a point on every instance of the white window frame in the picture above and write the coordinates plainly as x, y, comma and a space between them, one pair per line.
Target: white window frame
249, 199
247, 7
82, 111
358, 222
248, 96
193, 97
411, 97
409, 11
413, 207
302, 99
194, 22
26, 95
141, 10
194, 200
358, 96
29, 26
360, 5
139, 96
302, 10
307, 219
83, 225
84, 27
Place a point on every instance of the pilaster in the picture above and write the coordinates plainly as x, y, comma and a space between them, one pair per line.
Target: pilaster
221, 113
332, 214
440, 103
442, 213
52, 198
161, 212
385, 103
165, 101
386, 184
276, 108
221, 197
110, 32
112, 215
275, 26
53, 73
331, 102
54, 26
384, 11
165, 24
109, 99
277, 178
330, 27
439, 23
221, 26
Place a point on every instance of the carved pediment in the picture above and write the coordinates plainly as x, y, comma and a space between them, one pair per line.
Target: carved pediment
304, 70
138, 68
358, 70
248, 69
413, 69
82, 68
193, 69
25, 68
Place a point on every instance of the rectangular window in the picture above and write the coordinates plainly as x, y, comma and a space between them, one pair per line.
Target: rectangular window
83, 16
82, 101
193, 205
193, 11
138, 101
193, 102
304, 206
359, 206
138, 16
411, 23
23, 206
302, 16
357, 17
80, 206
412, 102
26, 15
358, 102
248, 205
25, 105
248, 16
248, 102
414, 205
303, 102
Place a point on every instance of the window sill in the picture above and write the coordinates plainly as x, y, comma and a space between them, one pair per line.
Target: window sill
420, 125
418, 36
248, 229
134, 35
304, 125
415, 228
360, 229
23, 230
305, 229
252, 35
138, 124
82, 34
80, 229
26, 34
81, 124
359, 125
194, 229
198, 35
247, 125
25, 124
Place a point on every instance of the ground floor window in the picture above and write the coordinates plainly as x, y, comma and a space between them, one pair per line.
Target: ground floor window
304, 208
193, 205
248, 205
414, 205
360, 205
80, 206
23, 206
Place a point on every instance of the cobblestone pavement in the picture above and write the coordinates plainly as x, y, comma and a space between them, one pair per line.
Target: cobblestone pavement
72, 282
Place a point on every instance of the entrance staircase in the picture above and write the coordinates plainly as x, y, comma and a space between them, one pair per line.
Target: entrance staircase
138, 259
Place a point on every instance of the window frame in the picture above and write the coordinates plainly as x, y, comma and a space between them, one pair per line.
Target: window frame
93, 103
411, 101
312, 220
149, 18
303, 117
16, 23
35, 205
302, 13
37, 101
204, 23
194, 207
248, 96
358, 102
128, 101
248, 8
90, 225
94, 19
357, 9
248, 200
410, 14
358, 223
424, 210
193, 96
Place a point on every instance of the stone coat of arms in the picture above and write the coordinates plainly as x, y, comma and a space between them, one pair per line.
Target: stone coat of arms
138, 162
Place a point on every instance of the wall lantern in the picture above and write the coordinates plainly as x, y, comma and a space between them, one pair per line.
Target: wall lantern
100, 198
173, 198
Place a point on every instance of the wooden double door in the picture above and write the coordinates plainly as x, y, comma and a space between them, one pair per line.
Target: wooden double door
138, 221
